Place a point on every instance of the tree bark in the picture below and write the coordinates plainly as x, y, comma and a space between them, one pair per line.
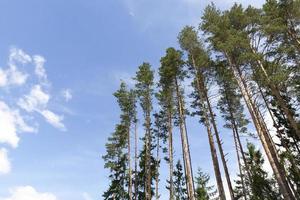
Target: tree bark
185, 145
282, 104
171, 166
148, 173
239, 163
129, 163
212, 118
281, 139
135, 160
157, 168
263, 134
210, 136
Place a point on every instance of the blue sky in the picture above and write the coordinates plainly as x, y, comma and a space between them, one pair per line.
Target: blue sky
60, 62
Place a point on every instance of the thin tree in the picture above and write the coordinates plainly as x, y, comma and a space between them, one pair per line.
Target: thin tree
172, 68
199, 67
232, 47
144, 88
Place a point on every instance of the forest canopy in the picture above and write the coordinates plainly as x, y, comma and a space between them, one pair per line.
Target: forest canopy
252, 56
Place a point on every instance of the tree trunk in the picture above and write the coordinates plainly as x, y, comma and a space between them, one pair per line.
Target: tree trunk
213, 121
281, 139
275, 124
236, 131
215, 161
129, 163
239, 163
263, 134
157, 168
148, 173
170, 141
210, 136
282, 104
135, 160
185, 145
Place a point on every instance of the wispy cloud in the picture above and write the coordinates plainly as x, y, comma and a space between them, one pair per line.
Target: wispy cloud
67, 94
53, 119
11, 122
4, 162
40, 70
18, 106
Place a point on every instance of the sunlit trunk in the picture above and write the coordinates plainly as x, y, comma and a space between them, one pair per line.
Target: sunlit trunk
185, 145
263, 134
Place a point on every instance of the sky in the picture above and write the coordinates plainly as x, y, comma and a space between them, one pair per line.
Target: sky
60, 62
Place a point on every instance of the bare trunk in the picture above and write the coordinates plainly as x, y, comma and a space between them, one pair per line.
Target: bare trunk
263, 134
276, 125
239, 164
238, 138
170, 141
157, 168
148, 173
215, 161
212, 117
185, 145
279, 132
210, 137
282, 104
135, 160
129, 164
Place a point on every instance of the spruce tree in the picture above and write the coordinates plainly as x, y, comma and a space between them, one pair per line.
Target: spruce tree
261, 186
180, 190
116, 161
203, 190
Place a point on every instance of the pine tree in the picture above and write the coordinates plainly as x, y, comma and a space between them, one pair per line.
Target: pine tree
152, 167
232, 112
172, 70
199, 68
226, 33
117, 159
144, 88
166, 99
126, 100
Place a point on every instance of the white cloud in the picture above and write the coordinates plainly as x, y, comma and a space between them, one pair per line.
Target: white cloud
28, 193
3, 78
40, 70
16, 77
11, 122
67, 94
18, 55
20, 72
12, 75
36, 100
4, 162
53, 119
